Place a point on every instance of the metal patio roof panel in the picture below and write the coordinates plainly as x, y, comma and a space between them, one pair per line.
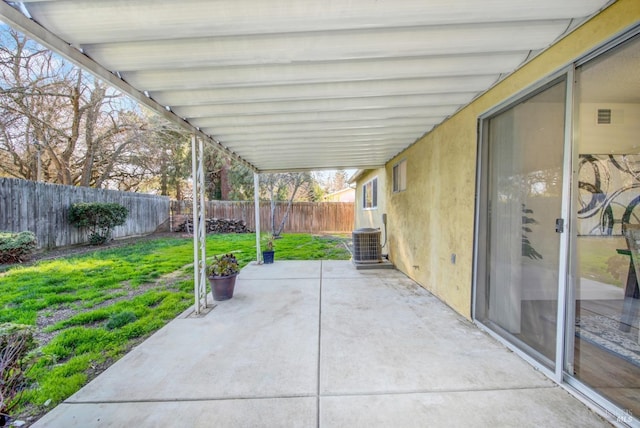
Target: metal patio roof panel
450, 101
306, 84
320, 46
106, 21
334, 71
330, 90
336, 117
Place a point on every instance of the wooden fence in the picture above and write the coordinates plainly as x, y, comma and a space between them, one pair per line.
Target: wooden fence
43, 209
305, 217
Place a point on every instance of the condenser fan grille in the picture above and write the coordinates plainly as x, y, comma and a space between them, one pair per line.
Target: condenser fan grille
366, 246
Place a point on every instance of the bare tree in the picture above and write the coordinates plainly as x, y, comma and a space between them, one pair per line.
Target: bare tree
284, 186
57, 123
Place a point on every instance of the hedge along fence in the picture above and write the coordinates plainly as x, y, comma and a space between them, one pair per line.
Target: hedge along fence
305, 217
43, 209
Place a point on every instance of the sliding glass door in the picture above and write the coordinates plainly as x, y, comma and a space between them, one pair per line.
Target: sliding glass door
604, 349
564, 289
524, 198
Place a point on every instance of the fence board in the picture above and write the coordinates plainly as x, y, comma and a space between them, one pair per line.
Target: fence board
305, 217
42, 208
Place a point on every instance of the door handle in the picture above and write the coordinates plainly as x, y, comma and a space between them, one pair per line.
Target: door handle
559, 225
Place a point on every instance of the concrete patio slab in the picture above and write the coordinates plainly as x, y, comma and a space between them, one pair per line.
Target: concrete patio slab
345, 270
500, 408
306, 344
283, 270
382, 335
237, 350
283, 412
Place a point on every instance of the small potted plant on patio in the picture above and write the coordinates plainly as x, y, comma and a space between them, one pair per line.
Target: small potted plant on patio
222, 273
268, 254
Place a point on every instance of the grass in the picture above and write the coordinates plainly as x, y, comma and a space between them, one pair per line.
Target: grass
599, 261
91, 309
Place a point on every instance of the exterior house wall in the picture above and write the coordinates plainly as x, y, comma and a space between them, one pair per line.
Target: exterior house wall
371, 217
431, 223
344, 195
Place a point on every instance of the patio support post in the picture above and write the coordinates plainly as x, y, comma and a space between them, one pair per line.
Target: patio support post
199, 228
256, 203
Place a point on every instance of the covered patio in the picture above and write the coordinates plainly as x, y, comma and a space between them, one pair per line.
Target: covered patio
307, 85
319, 343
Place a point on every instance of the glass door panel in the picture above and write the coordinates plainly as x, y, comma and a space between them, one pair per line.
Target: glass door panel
606, 351
518, 297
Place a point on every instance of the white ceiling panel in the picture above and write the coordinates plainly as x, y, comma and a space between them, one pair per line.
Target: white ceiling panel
302, 84
451, 100
124, 20
324, 46
316, 91
311, 126
302, 118
337, 71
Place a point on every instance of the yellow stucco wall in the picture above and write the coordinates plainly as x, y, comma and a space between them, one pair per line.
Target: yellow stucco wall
434, 217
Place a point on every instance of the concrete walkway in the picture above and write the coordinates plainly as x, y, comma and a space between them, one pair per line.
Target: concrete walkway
310, 343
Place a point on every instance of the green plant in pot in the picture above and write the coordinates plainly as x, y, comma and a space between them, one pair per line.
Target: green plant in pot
268, 253
222, 273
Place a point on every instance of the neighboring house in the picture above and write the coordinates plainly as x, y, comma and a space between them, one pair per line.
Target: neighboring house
344, 195
501, 210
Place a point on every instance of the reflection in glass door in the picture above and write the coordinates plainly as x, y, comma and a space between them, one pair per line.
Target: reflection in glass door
525, 148
605, 354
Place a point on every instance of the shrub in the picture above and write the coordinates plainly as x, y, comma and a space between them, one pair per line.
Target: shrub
16, 340
121, 319
16, 247
98, 218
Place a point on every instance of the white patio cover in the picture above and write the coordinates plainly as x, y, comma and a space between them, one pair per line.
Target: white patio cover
302, 84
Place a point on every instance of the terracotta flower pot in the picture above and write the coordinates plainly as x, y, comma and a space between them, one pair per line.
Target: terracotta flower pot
222, 286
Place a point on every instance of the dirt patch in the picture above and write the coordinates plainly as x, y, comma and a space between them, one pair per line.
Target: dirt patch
49, 317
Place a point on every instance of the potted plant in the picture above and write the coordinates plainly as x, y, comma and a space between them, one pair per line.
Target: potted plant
268, 254
222, 273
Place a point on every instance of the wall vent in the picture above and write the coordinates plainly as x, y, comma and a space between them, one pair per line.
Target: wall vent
366, 246
604, 116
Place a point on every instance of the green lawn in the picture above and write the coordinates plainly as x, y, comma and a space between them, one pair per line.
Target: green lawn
89, 310
599, 261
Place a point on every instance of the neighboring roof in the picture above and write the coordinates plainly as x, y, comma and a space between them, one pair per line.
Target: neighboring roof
358, 175
302, 84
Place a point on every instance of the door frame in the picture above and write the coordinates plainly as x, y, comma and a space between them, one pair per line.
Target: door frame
562, 373
482, 230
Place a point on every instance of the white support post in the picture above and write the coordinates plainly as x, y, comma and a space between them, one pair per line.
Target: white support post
203, 224
199, 229
256, 203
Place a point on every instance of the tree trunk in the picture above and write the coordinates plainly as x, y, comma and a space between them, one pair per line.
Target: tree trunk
277, 233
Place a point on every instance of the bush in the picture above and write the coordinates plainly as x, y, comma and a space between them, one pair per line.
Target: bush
121, 319
16, 340
98, 218
16, 247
